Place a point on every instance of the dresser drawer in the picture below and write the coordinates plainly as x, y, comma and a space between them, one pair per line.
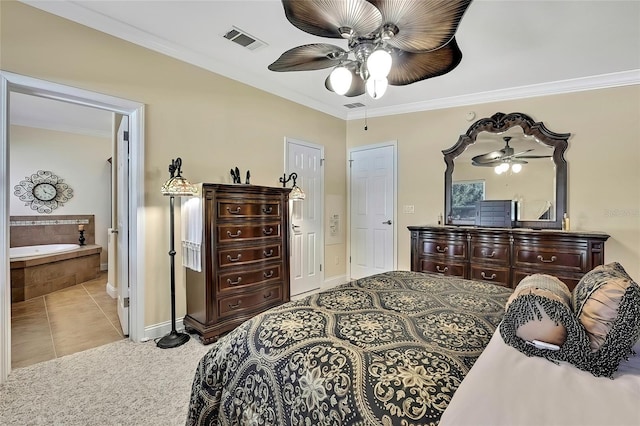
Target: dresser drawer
498, 253
233, 208
228, 233
455, 249
494, 275
519, 275
249, 301
564, 259
247, 278
244, 255
444, 268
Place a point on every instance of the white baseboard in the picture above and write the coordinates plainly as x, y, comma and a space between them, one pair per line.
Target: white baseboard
112, 291
104, 266
334, 281
161, 329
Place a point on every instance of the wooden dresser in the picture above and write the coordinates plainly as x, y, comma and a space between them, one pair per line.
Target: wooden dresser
505, 256
245, 258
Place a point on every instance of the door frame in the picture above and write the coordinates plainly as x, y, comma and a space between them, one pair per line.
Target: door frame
11, 82
394, 145
321, 200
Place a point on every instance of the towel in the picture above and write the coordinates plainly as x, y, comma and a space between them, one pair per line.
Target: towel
192, 216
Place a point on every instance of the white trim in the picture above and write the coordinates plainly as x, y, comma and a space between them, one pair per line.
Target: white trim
394, 144
161, 329
334, 281
624, 78
10, 82
112, 291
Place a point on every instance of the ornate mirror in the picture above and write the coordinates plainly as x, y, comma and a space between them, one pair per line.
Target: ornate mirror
508, 157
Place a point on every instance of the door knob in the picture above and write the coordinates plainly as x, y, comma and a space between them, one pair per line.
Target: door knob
387, 222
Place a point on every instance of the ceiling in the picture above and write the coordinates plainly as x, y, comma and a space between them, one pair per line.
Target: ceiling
511, 49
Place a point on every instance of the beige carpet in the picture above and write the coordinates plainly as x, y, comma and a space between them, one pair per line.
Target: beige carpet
122, 383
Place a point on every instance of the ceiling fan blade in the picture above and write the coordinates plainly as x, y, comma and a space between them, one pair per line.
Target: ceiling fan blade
425, 24
324, 18
535, 156
308, 58
409, 67
489, 157
357, 87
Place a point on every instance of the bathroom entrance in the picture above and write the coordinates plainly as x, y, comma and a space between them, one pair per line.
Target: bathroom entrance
65, 95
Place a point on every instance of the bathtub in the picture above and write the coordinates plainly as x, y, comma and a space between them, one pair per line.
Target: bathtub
16, 253
43, 269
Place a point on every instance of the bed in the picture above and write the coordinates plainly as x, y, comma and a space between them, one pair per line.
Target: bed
390, 349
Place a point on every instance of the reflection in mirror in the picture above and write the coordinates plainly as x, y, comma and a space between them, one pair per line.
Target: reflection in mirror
529, 178
513, 158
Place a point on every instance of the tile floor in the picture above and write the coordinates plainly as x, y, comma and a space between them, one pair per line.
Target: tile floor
70, 320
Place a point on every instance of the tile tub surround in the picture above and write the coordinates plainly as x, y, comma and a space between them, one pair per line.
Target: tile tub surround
60, 229
39, 275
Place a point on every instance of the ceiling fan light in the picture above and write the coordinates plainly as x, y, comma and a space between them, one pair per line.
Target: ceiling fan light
340, 79
516, 168
498, 169
379, 64
376, 88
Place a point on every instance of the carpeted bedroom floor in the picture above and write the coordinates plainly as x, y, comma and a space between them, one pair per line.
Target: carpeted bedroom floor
121, 383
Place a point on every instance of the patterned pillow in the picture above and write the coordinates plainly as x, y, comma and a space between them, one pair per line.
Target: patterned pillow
607, 303
540, 309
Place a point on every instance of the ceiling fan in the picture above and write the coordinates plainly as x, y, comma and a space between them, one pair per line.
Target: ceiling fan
396, 42
506, 156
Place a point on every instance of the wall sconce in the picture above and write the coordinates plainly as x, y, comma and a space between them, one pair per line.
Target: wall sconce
176, 186
296, 193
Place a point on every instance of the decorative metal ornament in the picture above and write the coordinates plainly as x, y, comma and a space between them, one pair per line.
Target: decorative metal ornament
43, 191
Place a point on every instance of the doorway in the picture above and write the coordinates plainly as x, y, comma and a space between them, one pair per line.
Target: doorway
307, 242
9, 83
372, 206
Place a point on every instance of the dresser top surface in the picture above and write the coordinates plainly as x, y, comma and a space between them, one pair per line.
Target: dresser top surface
515, 231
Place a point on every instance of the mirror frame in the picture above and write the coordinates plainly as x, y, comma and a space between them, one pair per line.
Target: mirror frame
499, 123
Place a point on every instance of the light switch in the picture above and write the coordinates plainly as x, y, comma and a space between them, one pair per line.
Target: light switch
408, 209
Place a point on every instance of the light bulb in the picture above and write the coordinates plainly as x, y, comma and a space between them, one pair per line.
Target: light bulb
376, 87
515, 168
340, 79
498, 169
379, 64
504, 167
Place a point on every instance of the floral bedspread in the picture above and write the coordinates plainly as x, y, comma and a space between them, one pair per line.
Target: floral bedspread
390, 349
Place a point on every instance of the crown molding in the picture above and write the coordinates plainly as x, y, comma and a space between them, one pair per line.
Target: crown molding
624, 78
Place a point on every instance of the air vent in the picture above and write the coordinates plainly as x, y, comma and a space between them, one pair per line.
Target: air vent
354, 105
242, 38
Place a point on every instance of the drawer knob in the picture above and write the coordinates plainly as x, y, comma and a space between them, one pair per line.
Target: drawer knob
267, 210
236, 235
493, 276
267, 231
442, 270
236, 211
235, 305
267, 253
543, 260
268, 295
493, 253
234, 282
234, 259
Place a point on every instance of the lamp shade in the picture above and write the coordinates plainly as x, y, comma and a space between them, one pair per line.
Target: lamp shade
379, 64
376, 87
340, 79
178, 187
297, 193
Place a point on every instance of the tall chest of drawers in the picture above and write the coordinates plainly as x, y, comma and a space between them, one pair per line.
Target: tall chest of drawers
505, 256
245, 258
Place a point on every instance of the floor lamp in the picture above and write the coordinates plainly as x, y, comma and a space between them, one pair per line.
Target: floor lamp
176, 186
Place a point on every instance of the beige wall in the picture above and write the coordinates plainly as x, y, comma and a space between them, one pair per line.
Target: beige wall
603, 161
210, 121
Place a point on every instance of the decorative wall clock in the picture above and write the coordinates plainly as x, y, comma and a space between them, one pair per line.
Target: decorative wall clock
43, 191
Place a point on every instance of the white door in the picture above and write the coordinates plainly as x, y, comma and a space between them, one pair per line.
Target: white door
372, 205
306, 217
122, 209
